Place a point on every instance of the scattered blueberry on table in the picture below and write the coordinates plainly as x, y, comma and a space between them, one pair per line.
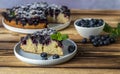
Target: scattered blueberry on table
84, 40
100, 40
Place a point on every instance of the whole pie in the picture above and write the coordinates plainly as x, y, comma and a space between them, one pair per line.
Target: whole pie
36, 15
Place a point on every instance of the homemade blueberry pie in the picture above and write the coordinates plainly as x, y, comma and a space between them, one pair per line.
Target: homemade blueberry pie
36, 15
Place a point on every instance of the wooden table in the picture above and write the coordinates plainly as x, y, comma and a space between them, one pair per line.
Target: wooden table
88, 60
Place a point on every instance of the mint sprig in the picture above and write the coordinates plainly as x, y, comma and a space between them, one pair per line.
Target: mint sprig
12, 13
58, 36
113, 31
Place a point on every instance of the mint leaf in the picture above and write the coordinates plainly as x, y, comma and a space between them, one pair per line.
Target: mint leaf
12, 13
53, 36
107, 28
58, 36
118, 26
64, 36
113, 31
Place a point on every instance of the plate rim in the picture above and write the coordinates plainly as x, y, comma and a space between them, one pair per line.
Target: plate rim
30, 31
37, 60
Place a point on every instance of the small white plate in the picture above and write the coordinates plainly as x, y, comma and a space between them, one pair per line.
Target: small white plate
20, 30
37, 60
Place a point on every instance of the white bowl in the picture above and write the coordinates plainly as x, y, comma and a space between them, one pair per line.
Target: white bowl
87, 32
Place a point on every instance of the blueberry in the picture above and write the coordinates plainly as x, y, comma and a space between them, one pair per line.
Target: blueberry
97, 37
71, 48
101, 43
25, 9
35, 23
91, 37
93, 40
100, 22
43, 54
57, 11
39, 8
96, 44
99, 40
37, 19
105, 42
39, 13
84, 40
91, 23
112, 40
30, 22
103, 38
82, 22
83, 25
108, 41
94, 21
97, 25
23, 21
55, 56
33, 13
64, 8
78, 23
34, 41
97, 20
87, 22
24, 42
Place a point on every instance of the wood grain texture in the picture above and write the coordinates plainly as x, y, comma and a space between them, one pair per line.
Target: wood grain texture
88, 60
56, 70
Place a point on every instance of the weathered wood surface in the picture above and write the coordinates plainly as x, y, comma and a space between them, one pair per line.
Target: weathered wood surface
88, 56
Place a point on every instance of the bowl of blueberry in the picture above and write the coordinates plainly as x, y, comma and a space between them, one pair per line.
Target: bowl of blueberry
89, 26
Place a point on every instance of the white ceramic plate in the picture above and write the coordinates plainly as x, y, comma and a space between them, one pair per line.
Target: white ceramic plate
37, 60
20, 30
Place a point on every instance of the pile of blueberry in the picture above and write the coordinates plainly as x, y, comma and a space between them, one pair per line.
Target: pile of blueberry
44, 55
90, 22
100, 40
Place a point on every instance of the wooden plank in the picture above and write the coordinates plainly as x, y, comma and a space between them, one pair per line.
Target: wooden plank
57, 71
96, 12
7, 45
81, 62
9, 37
80, 53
